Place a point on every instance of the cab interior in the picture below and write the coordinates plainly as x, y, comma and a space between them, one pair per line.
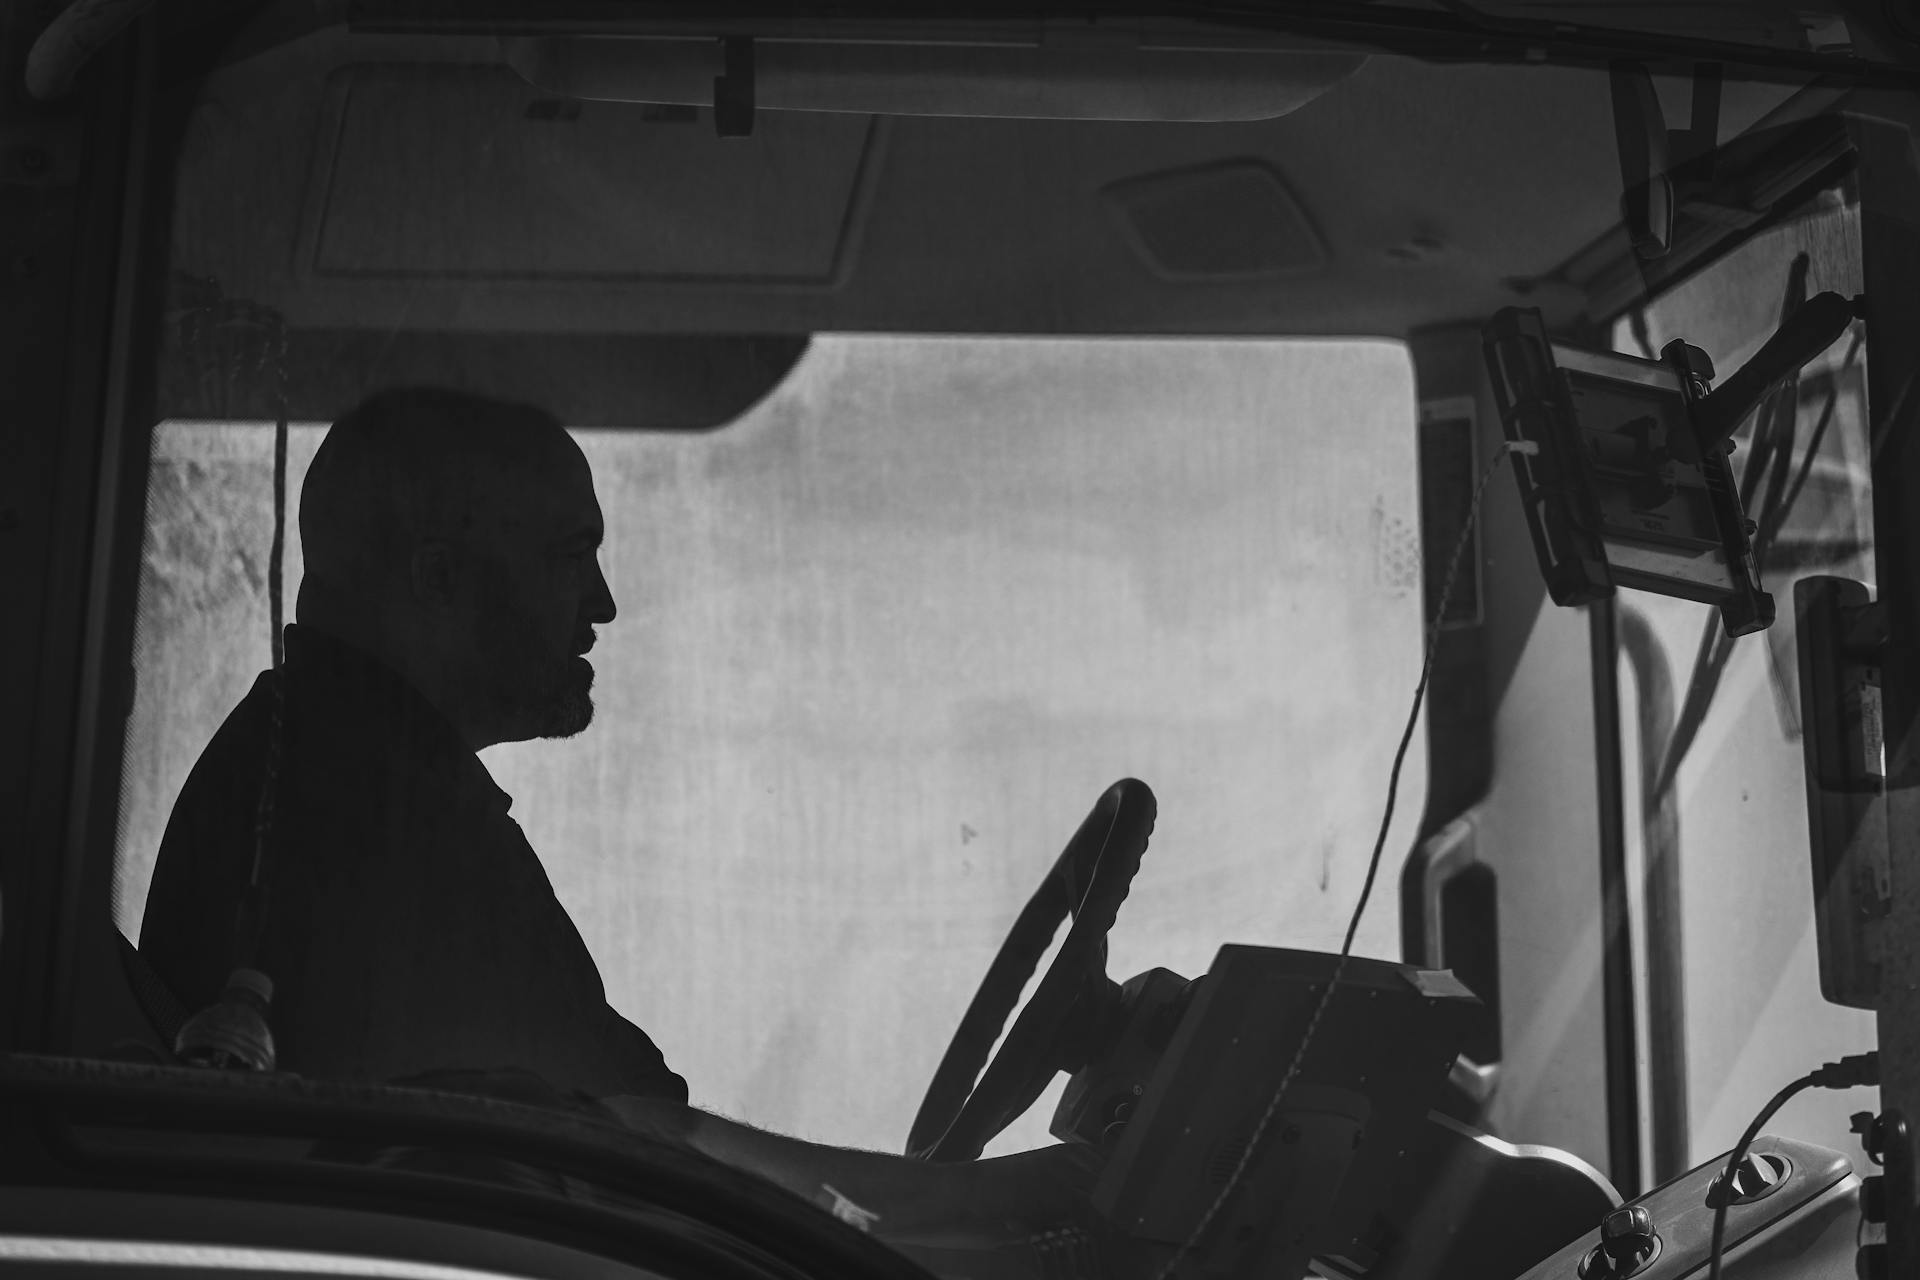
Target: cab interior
1010, 240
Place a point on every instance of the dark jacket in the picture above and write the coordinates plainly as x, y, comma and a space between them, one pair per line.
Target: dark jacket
411, 926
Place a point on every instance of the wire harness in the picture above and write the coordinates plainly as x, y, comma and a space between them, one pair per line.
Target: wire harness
1849, 1073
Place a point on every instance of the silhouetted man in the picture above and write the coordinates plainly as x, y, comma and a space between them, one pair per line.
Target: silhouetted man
451, 588
451, 593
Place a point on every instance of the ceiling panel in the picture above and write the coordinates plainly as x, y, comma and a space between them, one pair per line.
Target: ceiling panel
323, 180
470, 172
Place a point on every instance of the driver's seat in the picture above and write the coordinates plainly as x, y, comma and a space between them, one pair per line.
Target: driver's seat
123, 1009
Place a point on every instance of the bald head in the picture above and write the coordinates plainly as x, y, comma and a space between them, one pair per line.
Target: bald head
410, 463
453, 537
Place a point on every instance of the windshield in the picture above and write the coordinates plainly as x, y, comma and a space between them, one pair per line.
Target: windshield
881, 640
1085, 603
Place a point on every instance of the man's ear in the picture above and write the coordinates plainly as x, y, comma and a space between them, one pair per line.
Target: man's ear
430, 574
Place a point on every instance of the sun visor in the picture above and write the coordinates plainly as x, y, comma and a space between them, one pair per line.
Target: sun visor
1102, 77
510, 187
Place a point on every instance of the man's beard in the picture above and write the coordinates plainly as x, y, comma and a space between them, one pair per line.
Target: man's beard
544, 698
570, 708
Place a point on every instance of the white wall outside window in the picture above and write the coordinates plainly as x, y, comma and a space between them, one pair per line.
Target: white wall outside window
881, 644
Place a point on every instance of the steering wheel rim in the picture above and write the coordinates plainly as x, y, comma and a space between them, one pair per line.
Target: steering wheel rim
965, 1107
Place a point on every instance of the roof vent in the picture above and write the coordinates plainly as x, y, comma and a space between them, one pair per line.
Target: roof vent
1219, 221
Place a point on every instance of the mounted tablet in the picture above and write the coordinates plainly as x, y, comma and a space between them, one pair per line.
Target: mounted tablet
1625, 487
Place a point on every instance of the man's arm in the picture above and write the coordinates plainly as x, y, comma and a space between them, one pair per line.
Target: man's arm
905, 1201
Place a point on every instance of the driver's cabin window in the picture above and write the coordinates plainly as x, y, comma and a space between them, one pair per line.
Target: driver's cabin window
882, 641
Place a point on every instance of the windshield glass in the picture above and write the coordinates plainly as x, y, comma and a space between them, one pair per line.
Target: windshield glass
881, 642
650, 553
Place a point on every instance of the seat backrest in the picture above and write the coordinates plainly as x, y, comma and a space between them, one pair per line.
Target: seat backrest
122, 1008
163, 1010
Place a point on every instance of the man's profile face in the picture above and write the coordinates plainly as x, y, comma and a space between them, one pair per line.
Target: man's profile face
538, 592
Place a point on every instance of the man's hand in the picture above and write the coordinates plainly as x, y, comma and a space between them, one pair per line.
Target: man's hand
1008, 1198
983, 1218
895, 1197
1031, 1216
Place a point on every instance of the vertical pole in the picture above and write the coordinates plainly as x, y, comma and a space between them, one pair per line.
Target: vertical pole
64, 324
1616, 937
1669, 1121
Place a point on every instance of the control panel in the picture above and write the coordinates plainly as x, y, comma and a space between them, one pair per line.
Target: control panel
1792, 1210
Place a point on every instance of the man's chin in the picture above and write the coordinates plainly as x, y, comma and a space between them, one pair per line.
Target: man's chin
572, 711
570, 720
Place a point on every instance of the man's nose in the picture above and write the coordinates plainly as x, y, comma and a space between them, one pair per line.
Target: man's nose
600, 607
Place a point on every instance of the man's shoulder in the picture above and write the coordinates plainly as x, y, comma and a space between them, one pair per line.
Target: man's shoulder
205, 853
318, 770
230, 767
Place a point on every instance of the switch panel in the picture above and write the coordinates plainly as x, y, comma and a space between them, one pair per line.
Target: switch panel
1794, 1211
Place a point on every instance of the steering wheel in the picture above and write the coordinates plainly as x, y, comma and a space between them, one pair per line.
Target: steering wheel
965, 1109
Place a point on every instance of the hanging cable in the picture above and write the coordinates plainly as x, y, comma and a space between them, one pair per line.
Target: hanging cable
233, 1032
1252, 1148
1848, 1073
277, 556
251, 927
